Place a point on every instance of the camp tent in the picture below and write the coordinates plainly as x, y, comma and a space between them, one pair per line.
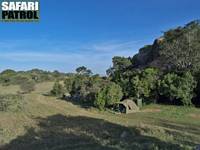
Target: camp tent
127, 106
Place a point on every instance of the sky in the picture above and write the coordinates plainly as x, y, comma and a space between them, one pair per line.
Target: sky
73, 33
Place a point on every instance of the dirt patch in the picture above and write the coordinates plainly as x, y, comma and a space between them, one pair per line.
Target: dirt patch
151, 110
195, 116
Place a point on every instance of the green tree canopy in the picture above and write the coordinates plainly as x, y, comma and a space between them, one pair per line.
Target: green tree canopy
178, 87
83, 71
108, 96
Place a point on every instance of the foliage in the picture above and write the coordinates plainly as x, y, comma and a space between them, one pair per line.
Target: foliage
178, 88
83, 88
100, 100
58, 89
145, 84
139, 84
83, 71
11, 77
108, 96
176, 52
120, 64
68, 83
6, 76
11, 102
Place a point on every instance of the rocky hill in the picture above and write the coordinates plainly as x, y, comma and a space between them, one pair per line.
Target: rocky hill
178, 49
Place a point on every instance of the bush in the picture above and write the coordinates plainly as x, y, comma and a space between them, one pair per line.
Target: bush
144, 85
178, 89
68, 83
27, 86
83, 89
11, 103
19, 79
100, 101
58, 90
108, 96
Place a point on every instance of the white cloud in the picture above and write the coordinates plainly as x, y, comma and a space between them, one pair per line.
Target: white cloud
97, 56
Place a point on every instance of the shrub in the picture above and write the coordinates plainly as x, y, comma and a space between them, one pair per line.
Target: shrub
113, 94
58, 89
19, 79
178, 88
109, 95
83, 88
100, 101
68, 83
144, 85
11, 102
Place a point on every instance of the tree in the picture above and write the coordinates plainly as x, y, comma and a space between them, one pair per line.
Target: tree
83, 71
121, 73
100, 100
58, 89
113, 94
85, 88
109, 95
69, 84
144, 85
120, 64
178, 88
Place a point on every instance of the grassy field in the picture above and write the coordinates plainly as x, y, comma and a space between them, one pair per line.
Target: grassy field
47, 123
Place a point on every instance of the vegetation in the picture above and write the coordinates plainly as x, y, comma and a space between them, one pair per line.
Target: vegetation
108, 96
165, 72
58, 90
11, 77
11, 102
178, 89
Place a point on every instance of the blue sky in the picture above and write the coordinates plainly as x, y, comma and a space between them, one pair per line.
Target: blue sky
73, 33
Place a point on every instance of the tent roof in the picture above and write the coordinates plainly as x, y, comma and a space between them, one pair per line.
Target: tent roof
129, 103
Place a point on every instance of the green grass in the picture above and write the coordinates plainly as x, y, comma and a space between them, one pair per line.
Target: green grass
47, 123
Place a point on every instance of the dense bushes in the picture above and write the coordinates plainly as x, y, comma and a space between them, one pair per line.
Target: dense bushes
149, 85
145, 85
84, 88
178, 89
11, 103
108, 96
58, 90
11, 77
176, 78
89, 90
154, 85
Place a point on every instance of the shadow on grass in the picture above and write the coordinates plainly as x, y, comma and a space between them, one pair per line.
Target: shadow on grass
182, 132
60, 132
